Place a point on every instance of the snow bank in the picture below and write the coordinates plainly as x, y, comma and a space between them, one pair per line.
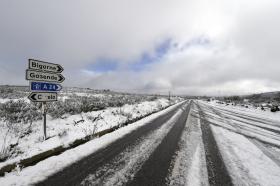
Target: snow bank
247, 163
43, 169
65, 131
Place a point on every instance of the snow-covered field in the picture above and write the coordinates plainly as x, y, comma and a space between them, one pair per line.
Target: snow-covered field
42, 170
220, 145
23, 140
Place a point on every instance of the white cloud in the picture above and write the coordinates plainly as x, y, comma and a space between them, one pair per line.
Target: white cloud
241, 56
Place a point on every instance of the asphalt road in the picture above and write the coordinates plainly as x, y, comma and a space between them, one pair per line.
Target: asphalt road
154, 169
217, 172
145, 156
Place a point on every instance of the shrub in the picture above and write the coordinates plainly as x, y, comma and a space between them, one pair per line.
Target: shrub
274, 109
19, 112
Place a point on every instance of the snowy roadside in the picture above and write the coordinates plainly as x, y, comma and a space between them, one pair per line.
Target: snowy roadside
43, 169
250, 110
263, 129
62, 132
249, 144
248, 165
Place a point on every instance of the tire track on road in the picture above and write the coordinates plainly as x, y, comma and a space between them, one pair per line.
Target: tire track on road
217, 172
268, 151
125, 165
251, 118
237, 128
188, 167
77, 172
155, 170
231, 116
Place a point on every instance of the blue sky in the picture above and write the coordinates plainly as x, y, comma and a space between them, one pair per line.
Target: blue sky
103, 65
148, 58
155, 56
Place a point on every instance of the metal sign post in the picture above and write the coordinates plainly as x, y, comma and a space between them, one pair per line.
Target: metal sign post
44, 110
46, 76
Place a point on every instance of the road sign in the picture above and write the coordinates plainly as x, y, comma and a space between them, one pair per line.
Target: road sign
42, 86
43, 96
44, 76
48, 74
45, 66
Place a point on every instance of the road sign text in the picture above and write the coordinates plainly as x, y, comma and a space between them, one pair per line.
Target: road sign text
44, 66
35, 65
44, 76
43, 86
43, 96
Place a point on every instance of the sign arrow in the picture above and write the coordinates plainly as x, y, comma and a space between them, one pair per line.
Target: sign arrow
45, 66
61, 78
43, 96
42, 86
44, 76
33, 97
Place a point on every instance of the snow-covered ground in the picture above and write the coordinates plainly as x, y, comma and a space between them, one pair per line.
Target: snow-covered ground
66, 130
246, 140
247, 163
43, 169
4, 100
249, 141
250, 110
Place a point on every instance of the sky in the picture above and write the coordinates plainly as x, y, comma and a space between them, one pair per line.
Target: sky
192, 47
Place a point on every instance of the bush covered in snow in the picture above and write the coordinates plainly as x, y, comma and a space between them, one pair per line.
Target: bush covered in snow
19, 111
72, 116
13, 92
16, 108
81, 104
274, 108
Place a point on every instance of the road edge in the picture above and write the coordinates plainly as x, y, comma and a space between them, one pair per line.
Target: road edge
60, 149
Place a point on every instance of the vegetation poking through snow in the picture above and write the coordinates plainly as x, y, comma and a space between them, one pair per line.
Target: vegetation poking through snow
19, 111
77, 113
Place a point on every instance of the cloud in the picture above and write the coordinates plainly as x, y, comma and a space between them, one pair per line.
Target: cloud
189, 47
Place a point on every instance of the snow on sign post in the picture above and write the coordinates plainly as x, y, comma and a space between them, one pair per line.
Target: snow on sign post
44, 80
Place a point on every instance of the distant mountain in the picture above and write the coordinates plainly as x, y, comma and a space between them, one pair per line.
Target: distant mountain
264, 97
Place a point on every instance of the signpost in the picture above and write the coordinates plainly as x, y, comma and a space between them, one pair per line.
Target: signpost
44, 78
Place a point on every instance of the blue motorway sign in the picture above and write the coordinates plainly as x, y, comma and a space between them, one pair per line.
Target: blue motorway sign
42, 86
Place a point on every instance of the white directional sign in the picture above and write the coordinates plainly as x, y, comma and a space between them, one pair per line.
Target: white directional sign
44, 66
43, 96
44, 76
